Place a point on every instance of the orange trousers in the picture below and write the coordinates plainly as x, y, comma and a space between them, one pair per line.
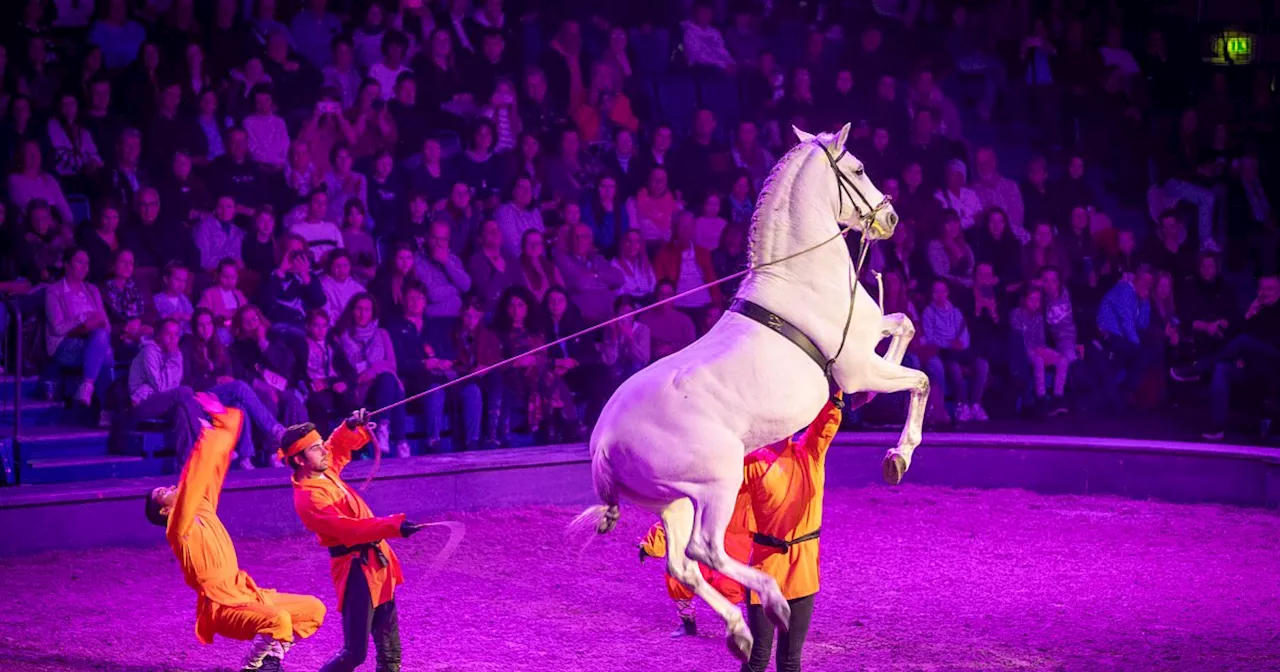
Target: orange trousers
279, 616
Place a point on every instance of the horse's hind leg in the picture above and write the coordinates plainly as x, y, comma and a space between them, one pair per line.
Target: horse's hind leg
678, 520
713, 507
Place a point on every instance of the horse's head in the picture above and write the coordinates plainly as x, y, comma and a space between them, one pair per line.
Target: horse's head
860, 204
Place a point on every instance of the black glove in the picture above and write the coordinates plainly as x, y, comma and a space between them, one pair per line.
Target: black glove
407, 529
643, 555
360, 417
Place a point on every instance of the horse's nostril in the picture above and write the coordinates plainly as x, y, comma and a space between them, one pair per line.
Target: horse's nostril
891, 219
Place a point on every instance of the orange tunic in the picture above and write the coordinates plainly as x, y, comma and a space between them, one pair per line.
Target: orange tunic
340, 517
228, 602
785, 482
737, 543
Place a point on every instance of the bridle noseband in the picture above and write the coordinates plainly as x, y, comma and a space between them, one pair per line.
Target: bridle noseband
846, 187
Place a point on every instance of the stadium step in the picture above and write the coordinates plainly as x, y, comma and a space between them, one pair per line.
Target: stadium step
92, 468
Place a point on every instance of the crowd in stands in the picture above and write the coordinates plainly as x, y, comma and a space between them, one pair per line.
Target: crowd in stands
308, 206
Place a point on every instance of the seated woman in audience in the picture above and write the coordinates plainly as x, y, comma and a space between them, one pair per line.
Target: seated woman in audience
950, 256
171, 301
1207, 308
463, 216
258, 249
516, 328
218, 237
537, 272
1028, 321
573, 370
223, 299
1042, 250
638, 280
423, 360
337, 283
207, 362
475, 346
101, 241
267, 364
156, 390
343, 183
605, 210
357, 241
670, 329
392, 279
624, 345
126, 304
709, 224
944, 327
29, 182
368, 362
655, 207
78, 332
519, 215
1059, 316
993, 242
729, 257
492, 269
292, 289
741, 203
47, 239
327, 392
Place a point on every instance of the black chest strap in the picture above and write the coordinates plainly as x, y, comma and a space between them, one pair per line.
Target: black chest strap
788, 331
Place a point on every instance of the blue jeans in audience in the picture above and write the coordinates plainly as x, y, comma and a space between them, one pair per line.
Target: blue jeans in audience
238, 394
93, 354
471, 399
385, 391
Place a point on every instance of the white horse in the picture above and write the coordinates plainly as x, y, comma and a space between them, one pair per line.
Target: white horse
672, 439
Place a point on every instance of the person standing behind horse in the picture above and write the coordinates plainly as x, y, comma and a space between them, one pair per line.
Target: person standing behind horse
786, 482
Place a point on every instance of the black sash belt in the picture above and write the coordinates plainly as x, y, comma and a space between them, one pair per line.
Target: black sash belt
782, 544
362, 549
788, 331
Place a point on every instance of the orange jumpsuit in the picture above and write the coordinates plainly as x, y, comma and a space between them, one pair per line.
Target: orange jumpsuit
340, 517
737, 543
785, 482
228, 602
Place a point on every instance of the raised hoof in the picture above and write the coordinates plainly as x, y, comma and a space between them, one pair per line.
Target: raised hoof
780, 616
739, 644
894, 468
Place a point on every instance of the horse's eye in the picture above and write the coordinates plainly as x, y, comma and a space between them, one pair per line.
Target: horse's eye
860, 172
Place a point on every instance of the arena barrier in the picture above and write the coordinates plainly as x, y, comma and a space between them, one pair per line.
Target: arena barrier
259, 503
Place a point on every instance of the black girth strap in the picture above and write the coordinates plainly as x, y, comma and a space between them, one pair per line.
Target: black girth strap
782, 544
788, 331
362, 550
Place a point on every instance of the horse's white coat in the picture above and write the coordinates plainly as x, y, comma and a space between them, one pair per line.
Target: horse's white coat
673, 437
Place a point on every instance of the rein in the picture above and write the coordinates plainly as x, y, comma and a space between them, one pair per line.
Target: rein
843, 183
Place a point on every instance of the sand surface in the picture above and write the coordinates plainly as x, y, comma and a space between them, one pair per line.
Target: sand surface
912, 579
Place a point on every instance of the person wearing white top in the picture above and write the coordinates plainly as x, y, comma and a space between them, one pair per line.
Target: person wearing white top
638, 280
338, 285
308, 223
956, 196
703, 43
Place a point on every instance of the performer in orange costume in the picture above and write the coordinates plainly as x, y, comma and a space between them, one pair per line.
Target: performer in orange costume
364, 568
228, 602
785, 483
737, 543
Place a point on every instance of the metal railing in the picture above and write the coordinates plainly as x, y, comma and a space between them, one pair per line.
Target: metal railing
16, 369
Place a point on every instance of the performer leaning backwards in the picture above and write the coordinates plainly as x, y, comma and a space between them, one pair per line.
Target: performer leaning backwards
785, 483
737, 543
365, 570
228, 602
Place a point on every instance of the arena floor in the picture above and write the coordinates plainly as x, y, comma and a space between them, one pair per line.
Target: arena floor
912, 579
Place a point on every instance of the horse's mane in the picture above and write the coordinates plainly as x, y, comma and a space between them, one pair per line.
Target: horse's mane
783, 174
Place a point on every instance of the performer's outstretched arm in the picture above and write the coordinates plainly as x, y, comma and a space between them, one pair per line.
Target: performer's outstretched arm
343, 442
817, 438
319, 515
205, 470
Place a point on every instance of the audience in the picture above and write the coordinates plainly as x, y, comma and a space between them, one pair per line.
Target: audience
488, 190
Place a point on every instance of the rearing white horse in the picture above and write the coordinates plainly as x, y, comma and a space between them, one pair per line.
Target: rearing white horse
673, 437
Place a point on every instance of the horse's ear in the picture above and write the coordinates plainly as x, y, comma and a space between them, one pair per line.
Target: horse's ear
804, 137
842, 137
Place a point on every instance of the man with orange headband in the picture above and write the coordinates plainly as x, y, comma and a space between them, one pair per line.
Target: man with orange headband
737, 543
228, 602
785, 483
365, 570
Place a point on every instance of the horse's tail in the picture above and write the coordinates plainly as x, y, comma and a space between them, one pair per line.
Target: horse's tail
604, 517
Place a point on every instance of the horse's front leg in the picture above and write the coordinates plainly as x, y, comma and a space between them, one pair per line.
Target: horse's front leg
899, 329
885, 377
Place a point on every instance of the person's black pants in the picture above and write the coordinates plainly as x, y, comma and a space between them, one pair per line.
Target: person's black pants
789, 644
360, 619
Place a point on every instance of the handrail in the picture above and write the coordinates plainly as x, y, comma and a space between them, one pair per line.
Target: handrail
17, 367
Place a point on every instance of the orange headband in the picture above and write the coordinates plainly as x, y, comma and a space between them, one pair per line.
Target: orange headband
309, 439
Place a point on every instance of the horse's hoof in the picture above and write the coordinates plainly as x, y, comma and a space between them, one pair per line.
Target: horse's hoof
894, 468
780, 615
739, 644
